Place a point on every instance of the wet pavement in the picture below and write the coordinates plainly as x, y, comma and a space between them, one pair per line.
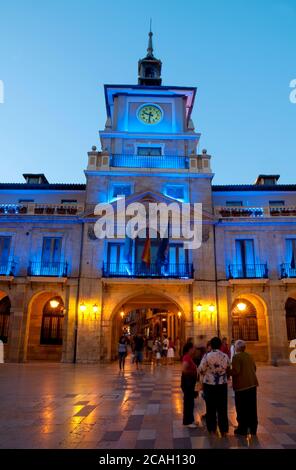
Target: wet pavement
95, 406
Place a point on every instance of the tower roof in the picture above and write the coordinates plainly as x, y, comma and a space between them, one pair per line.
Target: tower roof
149, 68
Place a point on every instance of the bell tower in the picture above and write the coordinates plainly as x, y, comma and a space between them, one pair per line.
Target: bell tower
149, 68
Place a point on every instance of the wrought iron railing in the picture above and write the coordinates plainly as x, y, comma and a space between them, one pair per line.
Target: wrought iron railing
177, 271
247, 271
287, 270
149, 161
41, 209
7, 269
40, 268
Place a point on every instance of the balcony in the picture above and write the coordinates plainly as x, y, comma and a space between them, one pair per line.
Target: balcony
254, 212
247, 271
7, 269
154, 270
287, 271
50, 269
149, 161
41, 209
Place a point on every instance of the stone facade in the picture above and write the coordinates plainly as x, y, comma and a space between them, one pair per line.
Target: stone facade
93, 297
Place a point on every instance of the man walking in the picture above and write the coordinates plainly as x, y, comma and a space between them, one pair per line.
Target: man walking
245, 383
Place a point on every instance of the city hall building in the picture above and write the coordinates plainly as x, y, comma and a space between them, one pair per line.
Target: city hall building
66, 295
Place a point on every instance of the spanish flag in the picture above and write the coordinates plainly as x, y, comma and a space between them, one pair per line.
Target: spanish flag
146, 255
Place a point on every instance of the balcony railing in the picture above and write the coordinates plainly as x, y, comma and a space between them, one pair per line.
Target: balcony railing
41, 209
7, 269
154, 270
254, 212
287, 270
150, 161
56, 269
247, 271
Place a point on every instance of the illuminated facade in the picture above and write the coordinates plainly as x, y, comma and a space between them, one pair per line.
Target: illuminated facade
65, 295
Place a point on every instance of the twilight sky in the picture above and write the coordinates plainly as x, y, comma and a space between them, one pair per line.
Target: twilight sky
55, 56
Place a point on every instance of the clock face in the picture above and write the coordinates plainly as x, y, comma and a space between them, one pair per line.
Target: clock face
150, 114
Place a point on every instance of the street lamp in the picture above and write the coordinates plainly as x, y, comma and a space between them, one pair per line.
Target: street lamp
241, 306
54, 303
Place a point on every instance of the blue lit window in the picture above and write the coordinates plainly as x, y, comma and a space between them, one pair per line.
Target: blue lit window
276, 203
5, 243
234, 203
175, 191
149, 151
121, 190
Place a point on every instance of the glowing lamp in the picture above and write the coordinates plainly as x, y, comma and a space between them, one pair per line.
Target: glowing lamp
122, 314
212, 308
241, 306
179, 314
54, 303
95, 308
199, 307
82, 307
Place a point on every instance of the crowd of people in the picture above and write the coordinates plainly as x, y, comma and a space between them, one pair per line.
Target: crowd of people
212, 372
206, 371
160, 351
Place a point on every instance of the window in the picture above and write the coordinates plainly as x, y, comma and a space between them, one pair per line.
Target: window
5, 243
291, 318
121, 190
52, 322
116, 262
175, 191
69, 201
51, 256
245, 258
245, 324
234, 203
150, 151
276, 203
4, 318
291, 252
178, 259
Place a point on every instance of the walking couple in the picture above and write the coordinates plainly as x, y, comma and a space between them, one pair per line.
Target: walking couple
215, 369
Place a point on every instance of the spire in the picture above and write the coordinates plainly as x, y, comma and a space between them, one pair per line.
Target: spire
149, 68
150, 44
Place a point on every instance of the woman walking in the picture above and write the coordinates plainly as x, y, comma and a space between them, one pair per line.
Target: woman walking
188, 381
122, 351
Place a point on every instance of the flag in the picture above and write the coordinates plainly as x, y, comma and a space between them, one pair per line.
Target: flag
146, 255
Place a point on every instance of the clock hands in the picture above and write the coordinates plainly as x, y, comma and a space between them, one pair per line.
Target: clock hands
148, 114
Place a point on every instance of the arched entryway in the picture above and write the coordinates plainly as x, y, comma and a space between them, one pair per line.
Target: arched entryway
290, 308
248, 322
46, 327
152, 315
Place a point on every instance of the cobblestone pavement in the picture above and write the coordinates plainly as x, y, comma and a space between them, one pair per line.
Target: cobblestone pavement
92, 406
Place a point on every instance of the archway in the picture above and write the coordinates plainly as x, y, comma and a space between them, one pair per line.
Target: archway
153, 315
290, 308
45, 336
248, 322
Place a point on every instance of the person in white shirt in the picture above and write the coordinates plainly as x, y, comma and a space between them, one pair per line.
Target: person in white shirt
214, 369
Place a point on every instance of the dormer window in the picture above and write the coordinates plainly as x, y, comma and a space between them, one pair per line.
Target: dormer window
149, 151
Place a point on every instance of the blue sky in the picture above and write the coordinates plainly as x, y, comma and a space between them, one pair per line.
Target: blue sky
56, 55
